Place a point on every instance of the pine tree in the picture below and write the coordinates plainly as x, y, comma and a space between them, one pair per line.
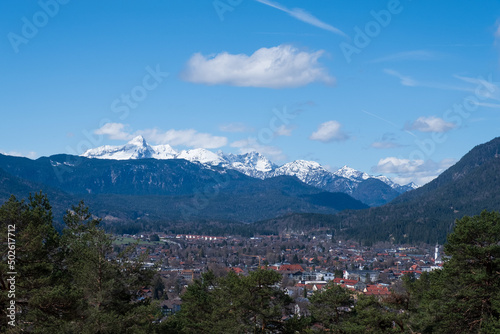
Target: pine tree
109, 290
41, 297
330, 307
232, 304
463, 297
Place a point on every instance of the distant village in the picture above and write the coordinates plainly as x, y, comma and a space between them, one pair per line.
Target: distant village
307, 263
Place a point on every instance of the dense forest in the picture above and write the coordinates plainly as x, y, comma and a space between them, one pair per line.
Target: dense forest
70, 282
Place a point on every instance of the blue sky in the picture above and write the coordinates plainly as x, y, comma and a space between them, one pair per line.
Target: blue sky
400, 88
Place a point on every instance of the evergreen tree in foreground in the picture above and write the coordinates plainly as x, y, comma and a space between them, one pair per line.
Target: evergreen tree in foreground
69, 283
232, 304
463, 297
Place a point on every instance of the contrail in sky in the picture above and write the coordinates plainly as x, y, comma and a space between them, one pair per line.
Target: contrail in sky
304, 16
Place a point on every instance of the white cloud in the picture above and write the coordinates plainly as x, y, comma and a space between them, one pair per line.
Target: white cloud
408, 55
328, 132
30, 155
251, 144
405, 80
431, 124
235, 127
277, 67
114, 131
406, 171
188, 137
301, 15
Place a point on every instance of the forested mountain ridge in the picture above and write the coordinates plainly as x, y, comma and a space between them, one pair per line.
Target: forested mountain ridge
176, 189
426, 214
371, 190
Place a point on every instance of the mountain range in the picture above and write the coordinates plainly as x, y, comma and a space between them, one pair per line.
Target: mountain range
163, 189
371, 190
173, 193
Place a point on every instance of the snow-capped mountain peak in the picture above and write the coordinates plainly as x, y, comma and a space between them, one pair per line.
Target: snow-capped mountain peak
138, 141
252, 159
137, 148
309, 172
201, 155
252, 164
351, 174
164, 152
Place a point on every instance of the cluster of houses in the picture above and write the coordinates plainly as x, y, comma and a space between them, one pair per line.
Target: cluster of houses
307, 264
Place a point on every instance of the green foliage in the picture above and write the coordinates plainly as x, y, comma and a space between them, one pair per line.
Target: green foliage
331, 306
69, 283
463, 297
373, 316
37, 263
233, 304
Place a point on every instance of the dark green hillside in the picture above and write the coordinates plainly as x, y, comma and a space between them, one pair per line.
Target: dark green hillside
374, 192
478, 156
157, 190
11, 185
428, 213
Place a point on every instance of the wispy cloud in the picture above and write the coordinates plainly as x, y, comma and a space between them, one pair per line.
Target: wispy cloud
387, 141
405, 80
492, 90
277, 67
430, 124
385, 145
187, 137
302, 15
407, 55
409, 81
328, 132
487, 105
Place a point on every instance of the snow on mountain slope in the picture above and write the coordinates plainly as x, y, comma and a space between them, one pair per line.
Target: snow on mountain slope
351, 174
201, 155
137, 148
253, 164
164, 152
306, 171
